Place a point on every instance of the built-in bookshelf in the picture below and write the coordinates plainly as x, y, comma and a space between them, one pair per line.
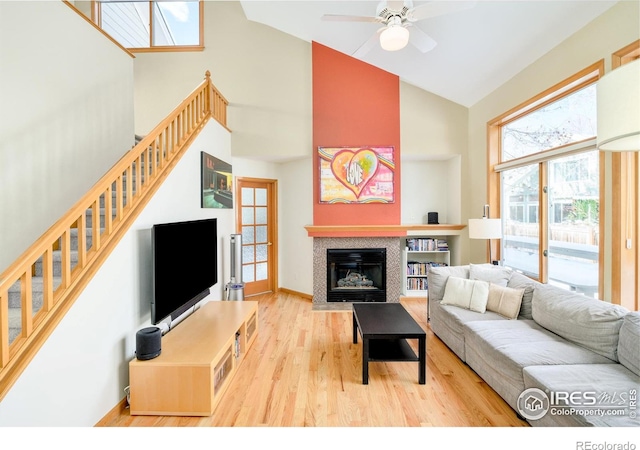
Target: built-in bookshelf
421, 253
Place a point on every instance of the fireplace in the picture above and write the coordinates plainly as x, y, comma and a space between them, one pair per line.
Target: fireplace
356, 274
393, 277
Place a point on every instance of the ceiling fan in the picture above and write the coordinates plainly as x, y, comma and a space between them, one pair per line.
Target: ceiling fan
398, 17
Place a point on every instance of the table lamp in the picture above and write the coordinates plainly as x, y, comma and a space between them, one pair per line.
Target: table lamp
485, 228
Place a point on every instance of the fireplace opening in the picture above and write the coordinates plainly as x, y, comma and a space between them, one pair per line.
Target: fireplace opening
356, 275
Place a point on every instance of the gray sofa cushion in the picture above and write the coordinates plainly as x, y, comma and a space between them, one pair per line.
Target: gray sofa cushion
498, 350
447, 322
446, 329
611, 384
629, 342
438, 277
520, 281
488, 272
590, 323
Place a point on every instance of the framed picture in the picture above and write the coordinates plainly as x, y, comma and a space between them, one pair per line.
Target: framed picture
217, 189
356, 174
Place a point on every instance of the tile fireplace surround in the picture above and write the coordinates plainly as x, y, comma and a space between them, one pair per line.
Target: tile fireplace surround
320, 246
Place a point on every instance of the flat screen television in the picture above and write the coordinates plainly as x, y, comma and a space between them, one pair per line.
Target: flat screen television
185, 266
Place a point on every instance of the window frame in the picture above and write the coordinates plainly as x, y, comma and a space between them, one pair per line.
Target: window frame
96, 17
625, 167
583, 78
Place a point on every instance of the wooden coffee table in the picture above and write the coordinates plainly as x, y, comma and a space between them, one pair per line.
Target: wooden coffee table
385, 328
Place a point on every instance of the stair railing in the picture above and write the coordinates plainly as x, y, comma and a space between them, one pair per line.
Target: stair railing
123, 192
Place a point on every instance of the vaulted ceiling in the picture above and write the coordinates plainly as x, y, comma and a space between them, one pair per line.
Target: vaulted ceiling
478, 49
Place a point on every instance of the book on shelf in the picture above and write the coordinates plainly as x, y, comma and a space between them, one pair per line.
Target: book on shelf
417, 284
422, 268
426, 245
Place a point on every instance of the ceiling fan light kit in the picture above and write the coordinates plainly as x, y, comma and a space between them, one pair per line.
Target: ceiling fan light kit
397, 16
394, 38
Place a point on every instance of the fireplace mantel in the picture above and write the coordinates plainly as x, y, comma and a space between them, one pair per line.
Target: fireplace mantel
382, 230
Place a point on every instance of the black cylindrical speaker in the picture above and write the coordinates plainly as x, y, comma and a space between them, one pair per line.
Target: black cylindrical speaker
148, 343
432, 218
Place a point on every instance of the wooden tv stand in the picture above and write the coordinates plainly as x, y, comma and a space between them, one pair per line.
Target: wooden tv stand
197, 361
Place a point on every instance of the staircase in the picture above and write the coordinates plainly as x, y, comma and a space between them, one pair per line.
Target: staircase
37, 280
40, 287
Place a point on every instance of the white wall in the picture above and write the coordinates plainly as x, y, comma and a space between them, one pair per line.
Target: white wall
431, 127
431, 186
67, 116
264, 73
296, 247
433, 134
295, 210
266, 76
80, 372
614, 29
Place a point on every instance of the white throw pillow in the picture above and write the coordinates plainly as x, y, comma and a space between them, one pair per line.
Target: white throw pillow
467, 294
438, 277
505, 301
492, 274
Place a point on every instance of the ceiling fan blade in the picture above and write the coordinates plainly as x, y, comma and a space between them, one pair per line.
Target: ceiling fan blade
434, 9
340, 18
368, 45
421, 40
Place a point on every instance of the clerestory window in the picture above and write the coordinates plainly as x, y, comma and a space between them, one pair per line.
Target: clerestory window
143, 26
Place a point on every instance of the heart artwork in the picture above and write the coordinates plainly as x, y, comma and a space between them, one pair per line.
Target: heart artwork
355, 169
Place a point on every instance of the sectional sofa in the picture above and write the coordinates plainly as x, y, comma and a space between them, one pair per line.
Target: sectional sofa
556, 357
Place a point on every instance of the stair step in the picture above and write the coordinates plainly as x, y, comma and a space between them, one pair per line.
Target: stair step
74, 238
124, 185
15, 323
113, 198
89, 216
56, 256
37, 293
37, 282
124, 194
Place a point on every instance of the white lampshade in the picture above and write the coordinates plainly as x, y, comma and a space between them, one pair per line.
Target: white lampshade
618, 100
394, 38
485, 228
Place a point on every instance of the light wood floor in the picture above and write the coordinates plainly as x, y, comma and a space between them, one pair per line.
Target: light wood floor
304, 371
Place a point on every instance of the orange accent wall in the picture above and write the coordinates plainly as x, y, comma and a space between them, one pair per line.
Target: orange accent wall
354, 104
